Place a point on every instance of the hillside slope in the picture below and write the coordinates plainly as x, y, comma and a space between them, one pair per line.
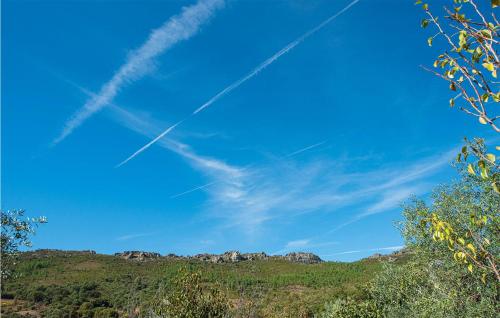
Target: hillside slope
56, 283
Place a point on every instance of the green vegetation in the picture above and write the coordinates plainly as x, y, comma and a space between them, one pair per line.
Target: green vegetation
90, 285
454, 240
453, 271
16, 232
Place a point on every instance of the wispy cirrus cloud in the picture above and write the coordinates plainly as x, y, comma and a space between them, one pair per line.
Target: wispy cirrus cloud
242, 80
249, 196
141, 61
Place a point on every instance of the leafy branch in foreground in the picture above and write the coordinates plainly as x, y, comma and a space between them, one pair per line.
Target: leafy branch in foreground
465, 219
16, 232
471, 61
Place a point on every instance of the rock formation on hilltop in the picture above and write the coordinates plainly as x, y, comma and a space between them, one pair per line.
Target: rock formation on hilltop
138, 255
301, 257
227, 257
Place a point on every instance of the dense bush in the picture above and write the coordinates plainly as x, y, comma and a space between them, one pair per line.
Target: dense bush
189, 298
342, 308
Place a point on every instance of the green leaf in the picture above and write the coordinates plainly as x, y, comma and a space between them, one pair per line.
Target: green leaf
464, 150
429, 41
425, 6
469, 268
424, 23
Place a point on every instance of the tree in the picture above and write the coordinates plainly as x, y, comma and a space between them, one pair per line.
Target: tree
16, 233
470, 61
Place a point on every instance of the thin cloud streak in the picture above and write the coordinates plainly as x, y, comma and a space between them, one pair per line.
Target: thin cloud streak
254, 72
133, 236
388, 248
141, 61
149, 144
305, 149
192, 190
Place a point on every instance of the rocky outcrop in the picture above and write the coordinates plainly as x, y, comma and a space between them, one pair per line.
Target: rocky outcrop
301, 257
227, 257
394, 256
255, 256
138, 255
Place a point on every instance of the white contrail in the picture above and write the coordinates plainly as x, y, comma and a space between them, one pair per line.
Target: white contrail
273, 58
305, 149
254, 72
193, 189
149, 144
139, 63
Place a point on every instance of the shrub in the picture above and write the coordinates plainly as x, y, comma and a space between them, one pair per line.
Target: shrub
190, 299
342, 308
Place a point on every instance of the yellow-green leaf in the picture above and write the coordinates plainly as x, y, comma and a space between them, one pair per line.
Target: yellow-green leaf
491, 157
471, 170
429, 41
484, 173
471, 248
496, 187
469, 268
489, 66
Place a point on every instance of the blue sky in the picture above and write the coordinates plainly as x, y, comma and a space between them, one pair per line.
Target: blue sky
314, 150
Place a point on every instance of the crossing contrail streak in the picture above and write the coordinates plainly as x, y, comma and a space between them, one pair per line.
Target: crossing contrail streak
169, 129
242, 80
305, 149
192, 190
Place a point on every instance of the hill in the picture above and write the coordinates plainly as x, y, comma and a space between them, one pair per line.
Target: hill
69, 283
